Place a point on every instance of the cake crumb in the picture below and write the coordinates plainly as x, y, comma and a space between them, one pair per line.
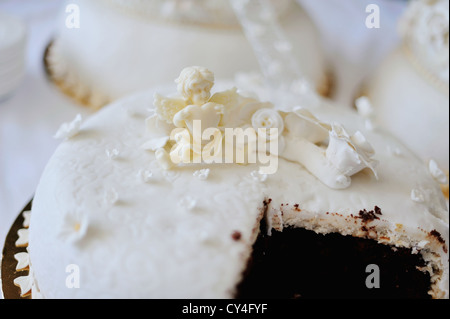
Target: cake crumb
368, 216
236, 235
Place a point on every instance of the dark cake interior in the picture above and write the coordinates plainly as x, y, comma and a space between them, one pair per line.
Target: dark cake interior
300, 264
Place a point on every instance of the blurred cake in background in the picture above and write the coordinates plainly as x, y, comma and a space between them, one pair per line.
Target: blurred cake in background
118, 47
409, 92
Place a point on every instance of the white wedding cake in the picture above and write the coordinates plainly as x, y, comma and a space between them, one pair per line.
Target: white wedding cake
116, 216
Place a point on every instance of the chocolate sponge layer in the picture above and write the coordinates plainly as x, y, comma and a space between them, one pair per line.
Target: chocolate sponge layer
299, 263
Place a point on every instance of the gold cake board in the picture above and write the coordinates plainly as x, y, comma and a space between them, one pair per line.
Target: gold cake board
9, 263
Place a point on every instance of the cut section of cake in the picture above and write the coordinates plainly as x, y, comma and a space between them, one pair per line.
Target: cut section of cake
211, 194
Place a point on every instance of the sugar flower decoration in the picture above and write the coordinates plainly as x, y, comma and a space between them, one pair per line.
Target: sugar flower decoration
437, 173
202, 174
349, 154
327, 151
188, 203
70, 129
74, 227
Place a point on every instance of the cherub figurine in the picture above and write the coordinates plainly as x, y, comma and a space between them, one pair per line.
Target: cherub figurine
193, 102
195, 84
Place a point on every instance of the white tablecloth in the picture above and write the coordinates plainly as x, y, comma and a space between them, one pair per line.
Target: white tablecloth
30, 118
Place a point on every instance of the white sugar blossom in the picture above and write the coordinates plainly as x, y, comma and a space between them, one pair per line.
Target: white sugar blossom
417, 196
69, 130
112, 153
188, 203
74, 227
110, 197
146, 175
437, 173
258, 177
202, 174
364, 107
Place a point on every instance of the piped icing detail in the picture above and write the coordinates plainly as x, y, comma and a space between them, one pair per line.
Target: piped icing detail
23, 261
326, 150
26, 218
25, 283
23, 234
258, 177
